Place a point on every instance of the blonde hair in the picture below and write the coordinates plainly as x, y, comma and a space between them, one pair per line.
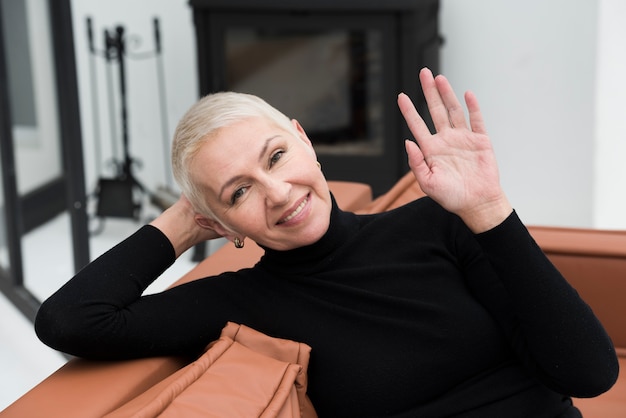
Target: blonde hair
201, 122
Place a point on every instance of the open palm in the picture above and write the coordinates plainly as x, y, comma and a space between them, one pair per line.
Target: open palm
456, 166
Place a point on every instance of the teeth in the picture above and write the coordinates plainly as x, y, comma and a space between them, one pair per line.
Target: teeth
295, 212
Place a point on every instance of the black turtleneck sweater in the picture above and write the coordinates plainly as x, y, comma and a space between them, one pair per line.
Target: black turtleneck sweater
407, 312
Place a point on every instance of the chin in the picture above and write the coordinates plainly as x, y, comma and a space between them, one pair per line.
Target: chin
317, 233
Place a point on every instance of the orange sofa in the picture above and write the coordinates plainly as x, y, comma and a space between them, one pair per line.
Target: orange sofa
594, 261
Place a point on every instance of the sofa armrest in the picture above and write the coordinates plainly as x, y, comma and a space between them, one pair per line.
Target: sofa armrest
86, 389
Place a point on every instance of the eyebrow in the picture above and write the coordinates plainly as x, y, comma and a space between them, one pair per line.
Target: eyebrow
236, 178
266, 146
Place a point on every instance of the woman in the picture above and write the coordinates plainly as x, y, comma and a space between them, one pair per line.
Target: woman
442, 307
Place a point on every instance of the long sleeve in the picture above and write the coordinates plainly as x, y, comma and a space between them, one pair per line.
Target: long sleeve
101, 313
551, 328
93, 303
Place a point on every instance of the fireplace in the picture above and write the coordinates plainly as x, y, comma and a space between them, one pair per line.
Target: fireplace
335, 66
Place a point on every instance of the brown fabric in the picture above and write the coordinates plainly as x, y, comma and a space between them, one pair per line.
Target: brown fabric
244, 373
404, 191
611, 404
90, 389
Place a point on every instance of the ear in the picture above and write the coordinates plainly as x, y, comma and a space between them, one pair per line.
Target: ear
302, 135
213, 225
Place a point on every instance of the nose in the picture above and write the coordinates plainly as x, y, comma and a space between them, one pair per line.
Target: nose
277, 191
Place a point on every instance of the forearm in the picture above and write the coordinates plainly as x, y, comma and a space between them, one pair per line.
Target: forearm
178, 224
90, 301
550, 325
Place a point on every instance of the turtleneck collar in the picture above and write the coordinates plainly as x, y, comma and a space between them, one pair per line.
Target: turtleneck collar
343, 225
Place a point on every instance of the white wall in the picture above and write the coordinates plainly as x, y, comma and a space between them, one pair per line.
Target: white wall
609, 194
533, 65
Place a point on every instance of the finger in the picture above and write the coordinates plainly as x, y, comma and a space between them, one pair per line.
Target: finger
416, 124
417, 163
436, 106
453, 106
477, 122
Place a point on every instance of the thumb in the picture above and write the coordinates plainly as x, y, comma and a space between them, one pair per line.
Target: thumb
417, 163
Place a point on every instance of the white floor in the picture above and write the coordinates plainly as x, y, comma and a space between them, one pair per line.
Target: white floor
24, 360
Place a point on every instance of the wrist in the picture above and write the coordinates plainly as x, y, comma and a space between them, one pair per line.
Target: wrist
174, 226
488, 215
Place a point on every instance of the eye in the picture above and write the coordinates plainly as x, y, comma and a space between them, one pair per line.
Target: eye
237, 194
275, 157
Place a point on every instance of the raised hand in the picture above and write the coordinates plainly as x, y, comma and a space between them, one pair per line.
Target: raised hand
456, 166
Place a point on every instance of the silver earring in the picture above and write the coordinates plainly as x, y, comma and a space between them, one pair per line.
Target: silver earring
238, 242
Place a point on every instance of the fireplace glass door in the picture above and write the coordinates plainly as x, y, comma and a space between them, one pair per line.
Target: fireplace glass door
331, 74
336, 75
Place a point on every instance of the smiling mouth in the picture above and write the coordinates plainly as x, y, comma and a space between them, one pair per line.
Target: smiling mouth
295, 212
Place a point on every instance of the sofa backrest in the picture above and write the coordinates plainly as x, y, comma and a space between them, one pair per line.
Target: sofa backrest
403, 191
594, 262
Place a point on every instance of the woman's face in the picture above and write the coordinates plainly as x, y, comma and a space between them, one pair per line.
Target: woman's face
262, 182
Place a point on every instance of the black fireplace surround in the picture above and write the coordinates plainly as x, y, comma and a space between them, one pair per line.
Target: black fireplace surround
335, 66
